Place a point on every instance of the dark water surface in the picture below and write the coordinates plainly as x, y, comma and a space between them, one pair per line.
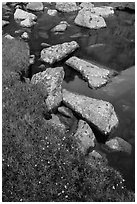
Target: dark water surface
115, 49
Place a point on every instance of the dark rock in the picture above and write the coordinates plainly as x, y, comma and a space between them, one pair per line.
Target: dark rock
25, 36
60, 28
65, 111
35, 6
67, 6
87, 19
97, 112
85, 136
51, 80
9, 37
95, 75
56, 53
32, 59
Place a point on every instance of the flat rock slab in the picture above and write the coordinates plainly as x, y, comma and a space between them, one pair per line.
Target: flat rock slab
103, 11
35, 6
86, 18
93, 74
56, 53
118, 144
51, 80
4, 23
22, 15
85, 136
67, 6
99, 113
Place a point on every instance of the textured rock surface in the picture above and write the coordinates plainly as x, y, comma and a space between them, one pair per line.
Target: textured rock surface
35, 6
27, 23
65, 111
4, 23
97, 112
25, 36
52, 12
96, 76
58, 52
87, 5
87, 19
22, 15
67, 6
103, 11
52, 80
84, 136
119, 145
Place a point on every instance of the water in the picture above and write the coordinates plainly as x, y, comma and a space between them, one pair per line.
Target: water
115, 49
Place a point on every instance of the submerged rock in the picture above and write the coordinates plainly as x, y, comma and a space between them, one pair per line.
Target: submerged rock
67, 6
22, 15
96, 76
4, 23
87, 19
51, 80
99, 113
85, 136
52, 12
65, 111
27, 23
56, 53
103, 11
118, 144
35, 6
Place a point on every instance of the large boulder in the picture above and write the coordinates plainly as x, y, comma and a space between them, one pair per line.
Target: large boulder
84, 136
88, 19
96, 112
95, 75
56, 53
35, 6
51, 80
22, 15
27, 23
118, 144
67, 6
103, 11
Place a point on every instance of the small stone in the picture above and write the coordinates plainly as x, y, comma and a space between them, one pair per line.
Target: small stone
35, 6
56, 53
65, 111
25, 36
60, 28
9, 37
43, 34
84, 136
52, 12
27, 23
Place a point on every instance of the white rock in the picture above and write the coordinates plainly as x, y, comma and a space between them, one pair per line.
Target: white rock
9, 37
52, 12
27, 23
25, 36
22, 15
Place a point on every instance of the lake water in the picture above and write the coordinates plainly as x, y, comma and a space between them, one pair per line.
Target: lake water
115, 49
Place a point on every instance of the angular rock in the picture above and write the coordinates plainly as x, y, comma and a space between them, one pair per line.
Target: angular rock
4, 23
65, 111
25, 36
119, 145
94, 75
52, 12
84, 136
103, 11
87, 5
35, 6
67, 6
22, 15
51, 80
56, 53
87, 19
60, 28
43, 34
99, 113
27, 23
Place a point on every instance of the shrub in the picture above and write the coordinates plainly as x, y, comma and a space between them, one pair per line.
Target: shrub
15, 55
39, 163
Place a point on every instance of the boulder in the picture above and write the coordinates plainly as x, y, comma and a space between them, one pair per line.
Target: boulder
65, 111
87, 19
4, 23
51, 80
86, 5
60, 28
52, 12
27, 23
96, 112
103, 11
84, 136
25, 36
95, 76
56, 53
22, 15
67, 6
118, 144
35, 6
